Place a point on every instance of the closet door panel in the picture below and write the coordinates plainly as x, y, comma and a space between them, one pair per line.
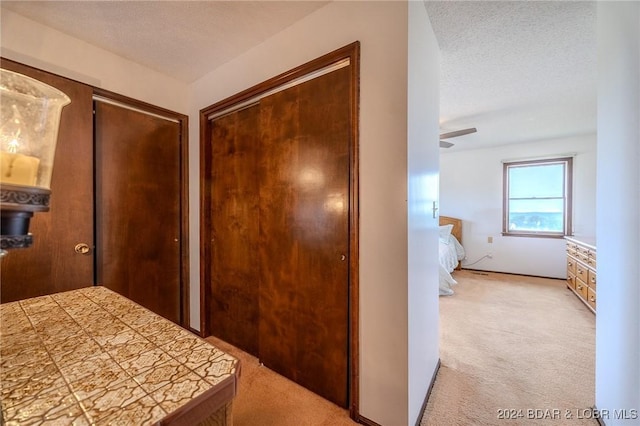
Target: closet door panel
138, 207
323, 298
279, 248
51, 265
234, 228
304, 234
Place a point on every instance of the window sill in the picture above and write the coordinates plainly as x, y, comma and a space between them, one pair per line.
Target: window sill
533, 235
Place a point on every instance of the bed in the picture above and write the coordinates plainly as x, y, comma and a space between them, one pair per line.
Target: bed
450, 251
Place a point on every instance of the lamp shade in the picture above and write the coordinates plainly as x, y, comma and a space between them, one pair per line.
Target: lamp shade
29, 122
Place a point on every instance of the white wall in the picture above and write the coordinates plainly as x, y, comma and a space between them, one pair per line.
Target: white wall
423, 165
381, 28
471, 189
34, 44
618, 222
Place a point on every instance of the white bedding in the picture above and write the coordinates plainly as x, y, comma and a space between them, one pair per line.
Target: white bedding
450, 252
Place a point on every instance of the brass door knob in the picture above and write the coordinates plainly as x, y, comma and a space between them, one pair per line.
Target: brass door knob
82, 248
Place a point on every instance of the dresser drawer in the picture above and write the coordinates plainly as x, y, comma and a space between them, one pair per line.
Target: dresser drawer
591, 298
571, 265
582, 288
586, 255
583, 250
582, 271
571, 280
591, 279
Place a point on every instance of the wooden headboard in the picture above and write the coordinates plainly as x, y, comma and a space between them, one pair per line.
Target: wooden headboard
457, 226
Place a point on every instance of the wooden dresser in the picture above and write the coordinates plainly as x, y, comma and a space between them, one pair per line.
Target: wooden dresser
581, 270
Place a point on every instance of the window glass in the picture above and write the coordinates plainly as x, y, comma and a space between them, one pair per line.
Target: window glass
537, 197
536, 181
536, 215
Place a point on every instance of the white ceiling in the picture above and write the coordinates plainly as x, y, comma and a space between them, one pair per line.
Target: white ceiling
183, 39
517, 71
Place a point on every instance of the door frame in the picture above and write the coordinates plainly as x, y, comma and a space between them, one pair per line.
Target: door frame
183, 121
352, 53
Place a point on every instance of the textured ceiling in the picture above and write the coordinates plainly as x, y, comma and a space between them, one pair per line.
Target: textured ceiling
518, 71
183, 39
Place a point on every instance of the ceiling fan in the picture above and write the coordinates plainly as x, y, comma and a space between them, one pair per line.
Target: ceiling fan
455, 134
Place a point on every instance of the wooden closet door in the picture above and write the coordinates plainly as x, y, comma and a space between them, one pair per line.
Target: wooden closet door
304, 235
234, 216
138, 207
51, 265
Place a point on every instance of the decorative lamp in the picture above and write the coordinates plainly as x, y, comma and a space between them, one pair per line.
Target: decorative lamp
29, 121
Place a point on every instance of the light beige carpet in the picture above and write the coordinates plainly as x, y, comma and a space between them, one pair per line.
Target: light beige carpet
507, 342
267, 399
510, 344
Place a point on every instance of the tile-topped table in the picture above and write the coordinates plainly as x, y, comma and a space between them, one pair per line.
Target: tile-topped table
91, 356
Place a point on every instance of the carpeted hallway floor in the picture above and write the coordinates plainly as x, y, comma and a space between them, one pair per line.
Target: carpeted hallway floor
510, 344
506, 342
266, 398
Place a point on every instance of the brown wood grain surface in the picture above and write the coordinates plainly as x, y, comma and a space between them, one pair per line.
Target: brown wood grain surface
51, 265
234, 214
308, 220
138, 204
304, 234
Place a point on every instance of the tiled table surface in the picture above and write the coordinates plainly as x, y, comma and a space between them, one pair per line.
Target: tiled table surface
91, 356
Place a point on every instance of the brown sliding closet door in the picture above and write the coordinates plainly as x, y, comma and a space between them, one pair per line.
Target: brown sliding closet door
304, 239
234, 228
138, 205
278, 227
51, 264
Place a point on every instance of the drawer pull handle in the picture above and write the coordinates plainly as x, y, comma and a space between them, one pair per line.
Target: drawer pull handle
570, 264
579, 287
593, 280
593, 299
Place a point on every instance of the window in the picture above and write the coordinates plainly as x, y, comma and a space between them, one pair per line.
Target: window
537, 198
